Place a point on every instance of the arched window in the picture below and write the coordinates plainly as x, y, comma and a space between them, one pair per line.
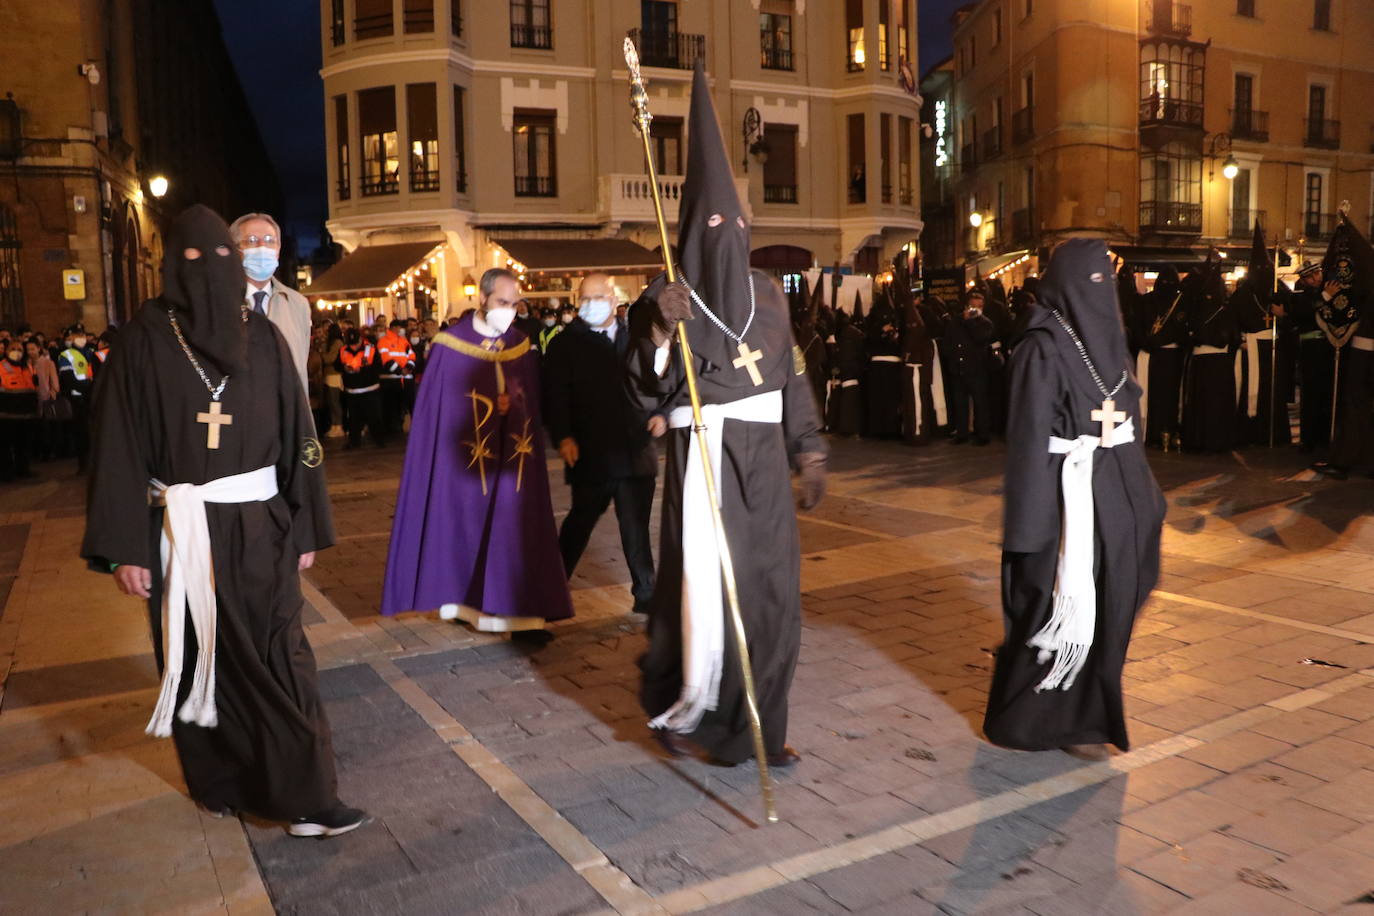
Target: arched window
11, 280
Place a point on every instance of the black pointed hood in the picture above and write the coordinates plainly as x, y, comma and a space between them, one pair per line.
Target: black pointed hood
713, 236
1349, 258
1079, 284
207, 292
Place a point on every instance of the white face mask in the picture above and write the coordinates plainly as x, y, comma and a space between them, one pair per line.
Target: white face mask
595, 311
499, 319
568, 317
79, 343
550, 322
414, 339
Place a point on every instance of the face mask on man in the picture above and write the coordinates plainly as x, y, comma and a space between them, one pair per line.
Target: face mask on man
595, 311
500, 319
79, 343
550, 321
414, 339
260, 263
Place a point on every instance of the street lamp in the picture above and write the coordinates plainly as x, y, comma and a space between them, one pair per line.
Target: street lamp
975, 219
1231, 168
158, 186
1218, 144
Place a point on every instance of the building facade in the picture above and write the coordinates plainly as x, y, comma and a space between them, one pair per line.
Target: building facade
1162, 126
98, 98
481, 128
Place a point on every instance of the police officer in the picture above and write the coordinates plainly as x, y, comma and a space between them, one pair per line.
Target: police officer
76, 366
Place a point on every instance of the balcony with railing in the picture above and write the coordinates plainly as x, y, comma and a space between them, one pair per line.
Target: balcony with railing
992, 142
1242, 222
1022, 226
673, 50
538, 37
968, 159
422, 179
779, 193
343, 188
905, 196
1023, 124
534, 186
1156, 111
776, 58
1170, 217
1322, 133
1249, 124
1169, 18
386, 183
627, 198
1318, 226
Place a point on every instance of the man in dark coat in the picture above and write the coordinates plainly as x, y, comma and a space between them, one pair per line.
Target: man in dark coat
968, 340
249, 726
1324, 326
601, 435
760, 418
1350, 263
1083, 518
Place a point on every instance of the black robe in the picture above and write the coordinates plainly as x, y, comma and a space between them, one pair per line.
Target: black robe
1354, 445
1250, 307
844, 411
884, 378
918, 354
270, 754
1052, 394
1209, 396
755, 494
1166, 341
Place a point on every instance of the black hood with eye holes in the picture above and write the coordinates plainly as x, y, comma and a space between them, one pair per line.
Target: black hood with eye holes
1080, 284
713, 259
207, 292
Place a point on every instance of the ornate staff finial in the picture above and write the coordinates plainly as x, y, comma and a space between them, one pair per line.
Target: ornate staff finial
639, 96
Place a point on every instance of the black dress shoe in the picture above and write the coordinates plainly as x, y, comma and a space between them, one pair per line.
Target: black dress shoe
785, 759
674, 745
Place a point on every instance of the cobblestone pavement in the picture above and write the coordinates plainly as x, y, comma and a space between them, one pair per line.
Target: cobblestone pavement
509, 781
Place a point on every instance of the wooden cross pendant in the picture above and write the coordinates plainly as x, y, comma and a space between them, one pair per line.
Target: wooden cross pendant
214, 420
749, 359
1109, 417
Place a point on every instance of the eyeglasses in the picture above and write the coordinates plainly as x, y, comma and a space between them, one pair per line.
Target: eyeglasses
253, 241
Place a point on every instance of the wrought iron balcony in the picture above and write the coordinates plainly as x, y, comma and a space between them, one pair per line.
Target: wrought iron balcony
968, 159
1243, 222
1023, 124
905, 196
774, 58
1322, 133
1156, 111
1249, 124
674, 50
1318, 226
534, 186
344, 188
1022, 226
1164, 216
1169, 18
992, 142
779, 193
539, 37
424, 179
381, 184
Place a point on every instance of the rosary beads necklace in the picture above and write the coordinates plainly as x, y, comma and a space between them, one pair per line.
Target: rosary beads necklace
701, 304
1083, 353
214, 418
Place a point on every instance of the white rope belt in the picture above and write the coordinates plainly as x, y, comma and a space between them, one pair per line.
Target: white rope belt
188, 581
703, 612
884, 359
1068, 635
849, 383
1250, 345
367, 390
1205, 350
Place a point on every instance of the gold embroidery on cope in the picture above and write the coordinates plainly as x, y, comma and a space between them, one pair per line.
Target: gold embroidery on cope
524, 447
798, 361
312, 453
479, 449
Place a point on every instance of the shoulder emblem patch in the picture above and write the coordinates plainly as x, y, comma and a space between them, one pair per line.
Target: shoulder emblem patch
312, 453
798, 360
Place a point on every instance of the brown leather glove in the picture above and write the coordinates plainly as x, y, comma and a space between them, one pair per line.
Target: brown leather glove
674, 305
811, 468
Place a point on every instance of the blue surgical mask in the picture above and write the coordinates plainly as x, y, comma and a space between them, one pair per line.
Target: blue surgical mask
260, 263
595, 311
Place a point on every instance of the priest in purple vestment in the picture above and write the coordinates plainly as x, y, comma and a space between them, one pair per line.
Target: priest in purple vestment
474, 532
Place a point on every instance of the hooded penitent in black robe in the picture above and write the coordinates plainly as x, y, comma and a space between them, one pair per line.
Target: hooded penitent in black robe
1209, 396
883, 383
846, 403
920, 418
811, 332
754, 485
1166, 341
270, 753
1350, 262
1054, 394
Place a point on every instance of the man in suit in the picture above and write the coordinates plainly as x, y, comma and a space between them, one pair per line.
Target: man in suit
603, 438
259, 240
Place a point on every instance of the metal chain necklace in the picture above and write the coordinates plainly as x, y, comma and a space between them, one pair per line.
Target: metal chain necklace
737, 338
1083, 352
215, 390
